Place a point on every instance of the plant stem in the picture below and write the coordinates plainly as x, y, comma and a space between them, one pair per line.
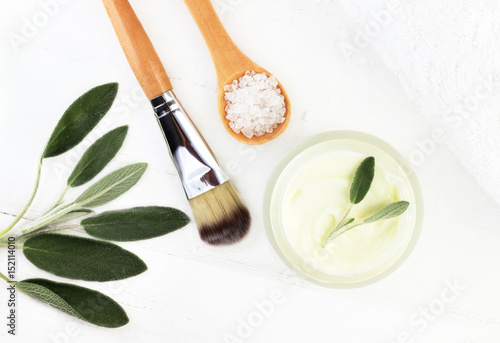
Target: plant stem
59, 200
49, 229
341, 223
326, 238
5, 278
35, 189
341, 232
17, 246
52, 217
54, 210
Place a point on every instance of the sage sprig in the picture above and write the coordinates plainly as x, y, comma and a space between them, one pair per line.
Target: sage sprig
360, 185
83, 258
75, 124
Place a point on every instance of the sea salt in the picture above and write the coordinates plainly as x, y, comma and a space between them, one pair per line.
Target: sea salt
254, 104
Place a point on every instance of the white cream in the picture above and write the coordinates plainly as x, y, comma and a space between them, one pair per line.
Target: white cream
317, 197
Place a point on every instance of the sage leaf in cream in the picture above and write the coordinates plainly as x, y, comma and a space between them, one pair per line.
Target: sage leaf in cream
82, 303
388, 212
135, 224
362, 180
112, 185
80, 118
81, 258
361, 183
97, 156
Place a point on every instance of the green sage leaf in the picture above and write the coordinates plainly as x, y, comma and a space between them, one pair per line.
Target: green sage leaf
80, 118
82, 303
97, 156
362, 180
390, 211
135, 224
82, 258
112, 185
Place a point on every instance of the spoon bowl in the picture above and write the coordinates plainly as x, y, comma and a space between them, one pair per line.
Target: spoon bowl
240, 136
230, 64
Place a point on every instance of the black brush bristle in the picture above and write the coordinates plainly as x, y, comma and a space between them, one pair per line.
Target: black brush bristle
221, 216
230, 229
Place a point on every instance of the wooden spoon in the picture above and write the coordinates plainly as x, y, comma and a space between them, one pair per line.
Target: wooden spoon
230, 64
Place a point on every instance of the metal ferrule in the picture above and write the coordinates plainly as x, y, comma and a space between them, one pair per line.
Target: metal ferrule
195, 162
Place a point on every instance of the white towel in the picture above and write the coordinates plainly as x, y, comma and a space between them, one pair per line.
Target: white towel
447, 55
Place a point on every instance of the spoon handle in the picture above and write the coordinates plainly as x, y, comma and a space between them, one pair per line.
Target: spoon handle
227, 57
139, 50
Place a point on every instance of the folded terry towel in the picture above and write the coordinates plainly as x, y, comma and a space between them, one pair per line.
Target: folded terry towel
447, 55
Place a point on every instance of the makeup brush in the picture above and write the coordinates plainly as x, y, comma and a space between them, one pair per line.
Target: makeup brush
220, 214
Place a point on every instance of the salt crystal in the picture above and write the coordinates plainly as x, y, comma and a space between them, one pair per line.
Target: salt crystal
254, 104
247, 132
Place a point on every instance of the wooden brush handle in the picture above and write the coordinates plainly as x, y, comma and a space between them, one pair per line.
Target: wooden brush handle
138, 48
227, 57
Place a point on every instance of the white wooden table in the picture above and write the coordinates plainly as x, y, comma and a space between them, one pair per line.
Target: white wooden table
447, 291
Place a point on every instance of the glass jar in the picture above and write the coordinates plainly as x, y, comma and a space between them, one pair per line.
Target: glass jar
397, 171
